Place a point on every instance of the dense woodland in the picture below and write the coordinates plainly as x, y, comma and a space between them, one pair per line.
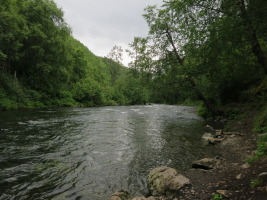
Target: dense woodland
42, 65
206, 52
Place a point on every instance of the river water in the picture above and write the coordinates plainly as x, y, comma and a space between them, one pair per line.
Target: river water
89, 153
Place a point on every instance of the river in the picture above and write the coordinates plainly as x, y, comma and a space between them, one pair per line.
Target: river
89, 153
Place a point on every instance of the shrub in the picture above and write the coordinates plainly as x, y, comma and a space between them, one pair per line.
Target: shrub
260, 123
261, 150
217, 197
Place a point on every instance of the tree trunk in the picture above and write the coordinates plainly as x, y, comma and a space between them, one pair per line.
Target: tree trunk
193, 84
201, 97
169, 36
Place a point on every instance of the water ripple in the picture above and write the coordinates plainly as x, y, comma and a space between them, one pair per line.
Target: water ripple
88, 153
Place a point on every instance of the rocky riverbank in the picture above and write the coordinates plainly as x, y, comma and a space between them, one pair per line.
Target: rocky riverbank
228, 176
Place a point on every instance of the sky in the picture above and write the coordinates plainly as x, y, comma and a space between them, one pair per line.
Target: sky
102, 24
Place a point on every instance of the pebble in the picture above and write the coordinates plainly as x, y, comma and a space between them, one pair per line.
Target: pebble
262, 189
225, 193
245, 166
232, 136
239, 176
263, 175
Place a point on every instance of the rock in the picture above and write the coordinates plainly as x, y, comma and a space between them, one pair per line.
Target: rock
206, 163
215, 140
212, 140
239, 176
143, 198
262, 189
263, 176
210, 127
219, 133
245, 166
232, 136
121, 195
206, 136
225, 193
165, 181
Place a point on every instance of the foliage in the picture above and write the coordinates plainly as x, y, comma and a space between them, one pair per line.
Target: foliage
12, 95
217, 197
260, 123
262, 146
256, 183
208, 51
261, 150
258, 93
203, 111
115, 54
204, 52
42, 65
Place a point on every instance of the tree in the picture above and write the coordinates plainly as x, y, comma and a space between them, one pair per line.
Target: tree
14, 31
142, 58
251, 30
116, 54
44, 64
171, 39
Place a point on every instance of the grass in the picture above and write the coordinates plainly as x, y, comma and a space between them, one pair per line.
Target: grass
256, 183
217, 197
260, 127
261, 150
260, 122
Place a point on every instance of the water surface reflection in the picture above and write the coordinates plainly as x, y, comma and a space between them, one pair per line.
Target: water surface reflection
88, 153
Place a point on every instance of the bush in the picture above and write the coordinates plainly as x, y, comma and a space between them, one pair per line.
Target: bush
12, 94
203, 111
260, 123
217, 197
261, 150
7, 104
256, 183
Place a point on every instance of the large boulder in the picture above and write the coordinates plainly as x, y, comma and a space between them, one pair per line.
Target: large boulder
165, 181
206, 163
121, 195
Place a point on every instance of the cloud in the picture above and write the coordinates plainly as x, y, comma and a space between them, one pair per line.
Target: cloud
101, 24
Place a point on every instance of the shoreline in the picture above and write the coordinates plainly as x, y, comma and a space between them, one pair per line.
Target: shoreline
233, 178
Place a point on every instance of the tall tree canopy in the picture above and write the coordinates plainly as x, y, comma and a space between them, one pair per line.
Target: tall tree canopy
196, 50
41, 64
205, 50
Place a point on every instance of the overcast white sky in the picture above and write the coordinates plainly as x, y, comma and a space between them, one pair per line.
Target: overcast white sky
101, 24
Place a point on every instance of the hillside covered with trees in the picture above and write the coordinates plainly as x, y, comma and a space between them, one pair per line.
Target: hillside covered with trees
42, 65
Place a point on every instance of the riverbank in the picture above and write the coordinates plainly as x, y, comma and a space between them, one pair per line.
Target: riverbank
242, 170
234, 178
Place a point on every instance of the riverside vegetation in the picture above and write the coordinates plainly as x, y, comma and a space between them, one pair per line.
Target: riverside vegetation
207, 53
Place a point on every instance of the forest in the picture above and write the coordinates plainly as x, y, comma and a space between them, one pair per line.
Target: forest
42, 65
205, 53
